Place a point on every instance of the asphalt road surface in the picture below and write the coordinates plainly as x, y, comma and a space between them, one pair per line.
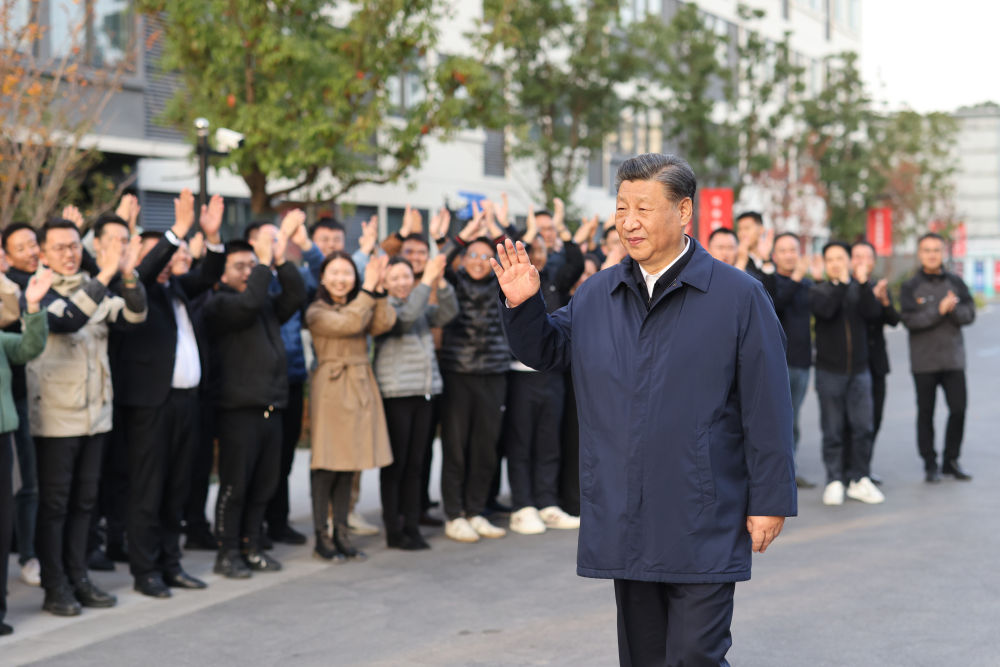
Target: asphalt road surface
910, 582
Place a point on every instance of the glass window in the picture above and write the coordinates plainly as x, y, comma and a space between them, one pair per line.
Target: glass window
98, 31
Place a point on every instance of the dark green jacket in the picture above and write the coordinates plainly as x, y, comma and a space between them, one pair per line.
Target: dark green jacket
19, 348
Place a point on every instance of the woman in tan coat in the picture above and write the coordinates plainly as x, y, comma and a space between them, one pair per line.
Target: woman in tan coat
347, 418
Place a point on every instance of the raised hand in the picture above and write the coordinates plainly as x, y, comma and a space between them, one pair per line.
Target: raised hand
279, 248
196, 246
440, 223
128, 210
130, 256
616, 254
801, 268
404, 229
585, 233
530, 226
434, 270
109, 260
816, 267
183, 213
861, 273
881, 291
369, 235
517, 276
211, 218
558, 213
374, 273
609, 223
263, 247
489, 220
72, 213
37, 288
948, 303
473, 228
291, 223
765, 244
503, 211
416, 222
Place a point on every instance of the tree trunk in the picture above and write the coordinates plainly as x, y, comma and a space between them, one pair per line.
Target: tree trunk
260, 201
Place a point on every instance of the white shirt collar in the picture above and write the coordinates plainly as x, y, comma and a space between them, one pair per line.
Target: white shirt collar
651, 278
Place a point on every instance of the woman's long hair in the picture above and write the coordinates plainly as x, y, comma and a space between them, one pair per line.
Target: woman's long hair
321, 291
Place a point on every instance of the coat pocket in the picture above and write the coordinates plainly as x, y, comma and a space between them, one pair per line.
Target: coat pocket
703, 464
58, 389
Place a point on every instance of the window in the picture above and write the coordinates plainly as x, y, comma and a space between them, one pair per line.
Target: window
495, 154
100, 32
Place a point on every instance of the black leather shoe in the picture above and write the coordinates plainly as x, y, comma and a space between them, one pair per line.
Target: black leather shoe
182, 579
266, 542
90, 595
325, 549
5, 630
201, 540
413, 533
803, 483
230, 565
99, 561
60, 601
344, 546
932, 475
952, 468
258, 561
153, 586
286, 535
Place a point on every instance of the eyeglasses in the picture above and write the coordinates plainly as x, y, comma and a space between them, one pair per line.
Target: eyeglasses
243, 266
72, 247
476, 255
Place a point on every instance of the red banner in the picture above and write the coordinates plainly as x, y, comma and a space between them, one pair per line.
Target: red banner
880, 230
996, 276
715, 210
958, 246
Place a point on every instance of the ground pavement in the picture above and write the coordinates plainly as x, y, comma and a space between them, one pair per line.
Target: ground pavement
910, 582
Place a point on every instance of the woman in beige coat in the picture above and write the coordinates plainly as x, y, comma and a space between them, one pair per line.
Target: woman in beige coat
347, 419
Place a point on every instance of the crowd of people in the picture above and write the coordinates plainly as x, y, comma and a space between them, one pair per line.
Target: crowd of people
130, 357
834, 313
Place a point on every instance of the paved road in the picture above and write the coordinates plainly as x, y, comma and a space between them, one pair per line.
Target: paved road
911, 582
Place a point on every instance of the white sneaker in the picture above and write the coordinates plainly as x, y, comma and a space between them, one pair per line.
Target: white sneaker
31, 573
486, 529
833, 494
555, 517
460, 530
526, 521
865, 491
359, 526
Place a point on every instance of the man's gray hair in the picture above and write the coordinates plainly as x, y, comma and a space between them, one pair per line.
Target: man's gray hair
672, 171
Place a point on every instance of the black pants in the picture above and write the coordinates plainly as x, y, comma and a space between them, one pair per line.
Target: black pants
249, 456
69, 470
531, 437
425, 473
202, 460
878, 403
160, 446
408, 419
953, 383
472, 414
112, 491
569, 466
330, 487
276, 514
673, 625
6, 512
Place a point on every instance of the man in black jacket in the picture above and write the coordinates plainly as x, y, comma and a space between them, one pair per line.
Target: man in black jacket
843, 308
935, 306
157, 368
244, 321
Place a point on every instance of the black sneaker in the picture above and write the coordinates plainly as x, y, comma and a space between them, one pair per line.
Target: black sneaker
286, 535
230, 565
90, 595
259, 561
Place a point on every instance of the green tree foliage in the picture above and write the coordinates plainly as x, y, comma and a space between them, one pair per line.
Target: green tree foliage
567, 66
316, 87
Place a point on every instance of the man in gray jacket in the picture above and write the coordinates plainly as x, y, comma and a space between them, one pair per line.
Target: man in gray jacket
936, 305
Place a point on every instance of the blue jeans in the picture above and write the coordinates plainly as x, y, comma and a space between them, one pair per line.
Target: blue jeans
26, 499
798, 381
845, 400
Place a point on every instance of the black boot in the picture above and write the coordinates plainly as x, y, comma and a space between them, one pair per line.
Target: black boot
325, 548
952, 468
413, 534
61, 602
343, 543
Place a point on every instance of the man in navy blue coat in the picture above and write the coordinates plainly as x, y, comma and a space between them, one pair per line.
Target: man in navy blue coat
686, 457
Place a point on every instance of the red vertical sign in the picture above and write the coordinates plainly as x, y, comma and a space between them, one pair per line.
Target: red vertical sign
715, 210
880, 230
996, 276
958, 246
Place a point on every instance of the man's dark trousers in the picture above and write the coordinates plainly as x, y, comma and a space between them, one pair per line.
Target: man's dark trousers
531, 434
673, 625
249, 457
161, 442
69, 470
953, 383
291, 421
202, 461
845, 400
472, 415
6, 512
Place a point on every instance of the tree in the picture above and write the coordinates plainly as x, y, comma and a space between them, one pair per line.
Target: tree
49, 104
567, 67
835, 143
329, 96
